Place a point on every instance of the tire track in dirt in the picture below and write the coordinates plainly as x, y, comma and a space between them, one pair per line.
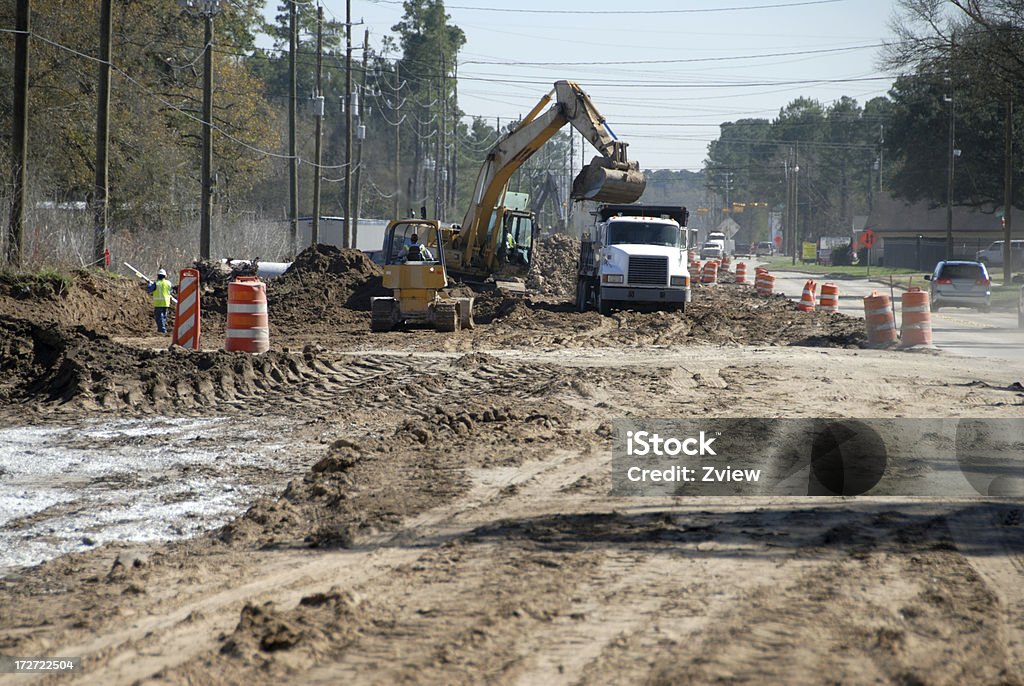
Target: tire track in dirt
162, 641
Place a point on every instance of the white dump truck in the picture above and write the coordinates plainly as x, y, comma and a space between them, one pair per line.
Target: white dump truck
634, 257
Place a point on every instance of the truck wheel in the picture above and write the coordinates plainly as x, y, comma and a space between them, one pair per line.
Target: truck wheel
581, 296
602, 305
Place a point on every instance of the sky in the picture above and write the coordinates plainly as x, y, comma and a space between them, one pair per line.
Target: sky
664, 73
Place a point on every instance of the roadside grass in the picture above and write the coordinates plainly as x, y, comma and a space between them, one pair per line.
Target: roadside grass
782, 263
44, 283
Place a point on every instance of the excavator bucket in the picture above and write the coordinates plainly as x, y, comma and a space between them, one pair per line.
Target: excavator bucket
606, 180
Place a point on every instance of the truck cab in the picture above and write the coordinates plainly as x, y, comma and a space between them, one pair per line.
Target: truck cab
635, 257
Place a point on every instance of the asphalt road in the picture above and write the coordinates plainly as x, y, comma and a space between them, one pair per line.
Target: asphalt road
955, 329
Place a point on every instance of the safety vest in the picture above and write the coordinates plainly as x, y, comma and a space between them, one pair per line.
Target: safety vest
162, 293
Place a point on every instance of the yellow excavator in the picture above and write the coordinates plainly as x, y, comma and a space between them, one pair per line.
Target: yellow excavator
494, 241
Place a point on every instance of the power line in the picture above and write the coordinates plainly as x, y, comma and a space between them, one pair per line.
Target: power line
681, 61
630, 12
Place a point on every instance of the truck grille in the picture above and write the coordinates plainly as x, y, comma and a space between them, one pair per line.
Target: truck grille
648, 271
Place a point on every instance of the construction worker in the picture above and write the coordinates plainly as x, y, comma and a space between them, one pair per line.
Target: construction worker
161, 290
414, 251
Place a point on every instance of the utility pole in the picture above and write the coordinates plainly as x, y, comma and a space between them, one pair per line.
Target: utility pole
99, 192
454, 171
293, 157
881, 152
1008, 192
949, 177
347, 239
206, 219
19, 140
438, 128
396, 210
318, 110
361, 131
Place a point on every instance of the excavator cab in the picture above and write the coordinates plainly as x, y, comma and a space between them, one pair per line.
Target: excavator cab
414, 270
515, 247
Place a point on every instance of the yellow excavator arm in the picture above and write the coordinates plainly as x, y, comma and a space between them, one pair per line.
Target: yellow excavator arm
609, 177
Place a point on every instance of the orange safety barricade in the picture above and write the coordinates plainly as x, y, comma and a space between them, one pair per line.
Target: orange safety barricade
765, 283
916, 327
710, 272
806, 303
726, 262
829, 300
186, 315
879, 318
248, 329
741, 272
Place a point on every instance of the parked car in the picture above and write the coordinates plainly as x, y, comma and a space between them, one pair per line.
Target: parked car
993, 254
765, 248
960, 283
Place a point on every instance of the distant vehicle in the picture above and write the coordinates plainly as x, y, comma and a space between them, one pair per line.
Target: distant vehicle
765, 248
1020, 308
960, 283
744, 249
728, 245
993, 254
712, 250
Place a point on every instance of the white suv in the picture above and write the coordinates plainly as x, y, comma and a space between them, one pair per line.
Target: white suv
993, 254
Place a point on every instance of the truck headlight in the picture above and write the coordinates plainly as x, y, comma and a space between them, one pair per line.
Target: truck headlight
613, 278
679, 281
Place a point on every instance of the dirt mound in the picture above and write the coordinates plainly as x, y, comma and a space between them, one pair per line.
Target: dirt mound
322, 277
49, 364
553, 272
106, 303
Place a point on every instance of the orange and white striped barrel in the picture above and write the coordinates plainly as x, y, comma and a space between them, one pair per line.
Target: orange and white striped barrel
726, 263
248, 329
186, 314
879, 318
829, 300
710, 272
764, 284
806, 303
741, 272
694, 267
916, 327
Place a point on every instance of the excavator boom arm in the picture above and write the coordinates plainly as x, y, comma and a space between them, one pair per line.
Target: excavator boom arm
609, 178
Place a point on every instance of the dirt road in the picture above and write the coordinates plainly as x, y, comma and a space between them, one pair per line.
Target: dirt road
452, 522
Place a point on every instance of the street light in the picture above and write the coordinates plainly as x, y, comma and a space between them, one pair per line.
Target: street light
206, 9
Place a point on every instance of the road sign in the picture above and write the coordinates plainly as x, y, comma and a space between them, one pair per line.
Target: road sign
868, 239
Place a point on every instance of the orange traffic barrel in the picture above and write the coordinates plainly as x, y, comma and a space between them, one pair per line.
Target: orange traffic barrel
710, 272
741, 272
247, 330
186, 316
726, 262
829, 300
916, 327
765, 283
806, 303
879, 319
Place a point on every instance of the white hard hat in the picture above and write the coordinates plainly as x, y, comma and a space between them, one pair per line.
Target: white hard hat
162, 272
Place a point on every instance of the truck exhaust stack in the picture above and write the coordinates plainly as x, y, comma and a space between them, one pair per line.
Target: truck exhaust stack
609, 181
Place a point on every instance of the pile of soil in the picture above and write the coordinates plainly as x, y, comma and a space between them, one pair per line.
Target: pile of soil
553, 272
105, 303
46, 364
